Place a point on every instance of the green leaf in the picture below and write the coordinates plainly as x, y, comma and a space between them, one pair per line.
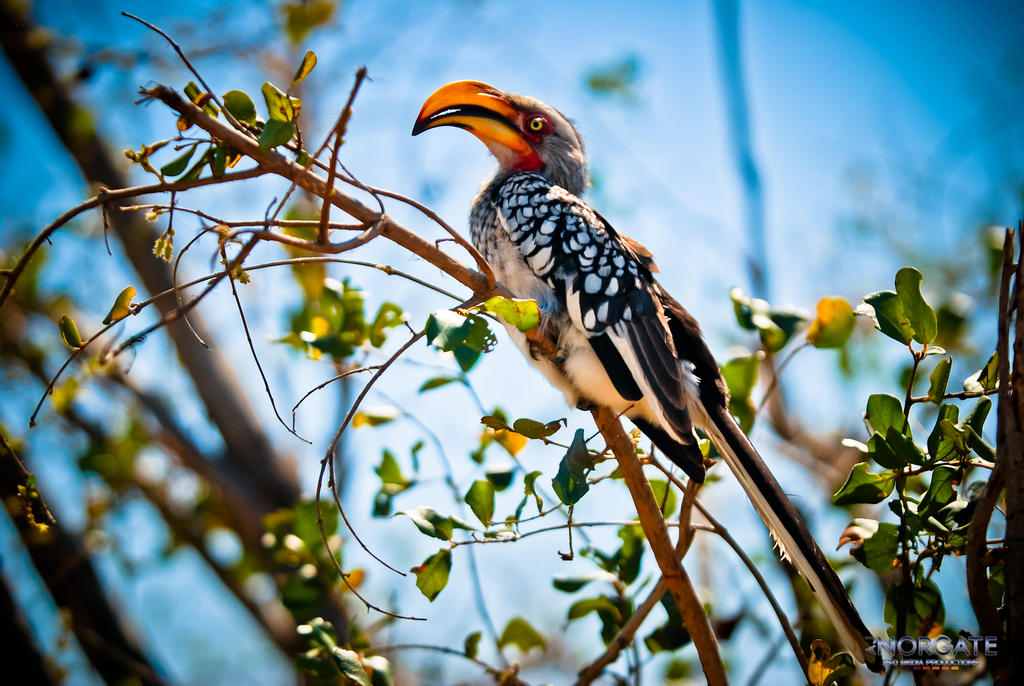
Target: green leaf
885, 411
782, 327
388, 315
921, 606
530, 428
347, 662
746, 308
519, 633
437, 382
833, 323
220, 160
528, 487
178, 164
775, 327
582, 608
570, 483
663, 495
905, 449
986, 378
878, 552
939, 445
522, 314
480, 498
883, 454
432, 575
494, 421
886, 309
938, 380
465, 357
375, 416
918, 312
275, 133
864, 487
122, 306
69, 332
940, 491
446, 329
392, 480
302, 16
381, 673
240, 105
280, 106
978, 414
308, 62
571, 584
431, 522
740, 375
471, 646
500, 478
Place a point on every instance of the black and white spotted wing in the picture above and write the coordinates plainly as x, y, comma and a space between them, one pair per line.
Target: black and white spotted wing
606, 288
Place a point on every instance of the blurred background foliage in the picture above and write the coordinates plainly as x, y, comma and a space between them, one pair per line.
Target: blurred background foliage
790, 150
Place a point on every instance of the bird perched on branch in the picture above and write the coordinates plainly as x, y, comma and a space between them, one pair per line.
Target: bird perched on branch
623, 342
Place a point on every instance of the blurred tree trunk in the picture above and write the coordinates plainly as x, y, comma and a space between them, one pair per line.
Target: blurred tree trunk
66, 567
1010, 446
257, 470
17, 646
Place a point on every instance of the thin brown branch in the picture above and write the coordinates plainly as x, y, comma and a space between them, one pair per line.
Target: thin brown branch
339, 136
653, 523
622, 640
328, 457
481, 263
174, 283
338, 377
717, 528
305, 178
195, 72
35, 498
255, 355
106, 196
784, 622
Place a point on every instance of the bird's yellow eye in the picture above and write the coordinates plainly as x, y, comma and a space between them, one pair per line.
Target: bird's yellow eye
535, 124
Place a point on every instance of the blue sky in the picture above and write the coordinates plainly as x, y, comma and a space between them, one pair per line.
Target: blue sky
893, 111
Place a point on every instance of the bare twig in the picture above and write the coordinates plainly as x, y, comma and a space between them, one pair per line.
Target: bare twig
199, 77
328, 461
339, 135
252, 350
106, 196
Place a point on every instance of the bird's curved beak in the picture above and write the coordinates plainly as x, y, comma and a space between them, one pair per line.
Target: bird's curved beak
485, 112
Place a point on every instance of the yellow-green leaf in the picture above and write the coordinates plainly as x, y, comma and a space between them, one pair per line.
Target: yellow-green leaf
833, 323
522, 314
432, 575
122, 306
280, 105
519, 633
69, 332
240, 105
308, 62
824, 669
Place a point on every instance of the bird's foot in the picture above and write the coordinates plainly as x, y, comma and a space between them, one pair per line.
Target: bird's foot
543, 340
585, 405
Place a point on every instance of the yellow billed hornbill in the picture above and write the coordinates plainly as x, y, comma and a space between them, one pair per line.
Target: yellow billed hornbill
623, 342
